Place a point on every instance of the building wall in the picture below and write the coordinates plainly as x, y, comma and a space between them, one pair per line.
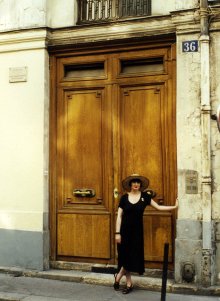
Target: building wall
39, 13
189, 140
22, 14
24, 125
215, 145
24, 166
197, 240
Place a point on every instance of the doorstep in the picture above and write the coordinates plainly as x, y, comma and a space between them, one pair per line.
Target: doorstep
83, 274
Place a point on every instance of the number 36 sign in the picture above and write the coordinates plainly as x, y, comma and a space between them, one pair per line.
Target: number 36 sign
190, 46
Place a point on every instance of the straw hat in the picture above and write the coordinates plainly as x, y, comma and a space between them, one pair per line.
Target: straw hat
126, 182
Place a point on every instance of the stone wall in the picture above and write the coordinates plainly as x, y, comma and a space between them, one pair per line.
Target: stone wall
215, 145
55, 13
24, 123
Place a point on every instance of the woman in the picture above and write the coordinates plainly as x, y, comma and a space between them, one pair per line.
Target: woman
129, 228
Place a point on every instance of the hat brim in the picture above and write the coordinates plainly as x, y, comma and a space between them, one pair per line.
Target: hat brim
144, 182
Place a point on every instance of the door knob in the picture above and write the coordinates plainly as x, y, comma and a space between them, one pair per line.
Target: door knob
115, 193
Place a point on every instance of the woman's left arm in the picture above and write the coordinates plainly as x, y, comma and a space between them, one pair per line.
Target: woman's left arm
164, 208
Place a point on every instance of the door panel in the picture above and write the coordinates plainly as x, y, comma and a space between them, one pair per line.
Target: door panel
78, 235
143, 150
158, 231
81, 145
82, 150
141, 134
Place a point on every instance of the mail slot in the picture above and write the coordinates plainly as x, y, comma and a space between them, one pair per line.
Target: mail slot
84, 192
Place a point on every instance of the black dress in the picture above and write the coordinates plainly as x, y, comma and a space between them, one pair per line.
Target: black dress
131, 248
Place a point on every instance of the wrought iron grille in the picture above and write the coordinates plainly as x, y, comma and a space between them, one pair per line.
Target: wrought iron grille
109, 10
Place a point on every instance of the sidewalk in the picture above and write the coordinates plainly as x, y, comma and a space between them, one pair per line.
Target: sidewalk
57, 285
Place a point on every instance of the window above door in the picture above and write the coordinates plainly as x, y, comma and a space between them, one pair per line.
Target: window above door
99, 11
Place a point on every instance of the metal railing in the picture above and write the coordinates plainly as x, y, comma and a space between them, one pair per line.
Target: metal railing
95, 11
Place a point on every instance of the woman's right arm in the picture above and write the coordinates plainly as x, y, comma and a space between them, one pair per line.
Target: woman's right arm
118, 225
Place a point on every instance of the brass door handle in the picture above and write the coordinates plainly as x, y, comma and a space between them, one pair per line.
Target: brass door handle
84, 192
115, 193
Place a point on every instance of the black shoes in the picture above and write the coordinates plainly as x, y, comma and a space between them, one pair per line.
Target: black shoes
127, 290
116, 284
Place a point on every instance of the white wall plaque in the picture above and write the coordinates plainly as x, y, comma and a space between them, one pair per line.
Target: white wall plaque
17, 74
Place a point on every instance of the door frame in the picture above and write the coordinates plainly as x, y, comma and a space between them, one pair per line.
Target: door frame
56, 54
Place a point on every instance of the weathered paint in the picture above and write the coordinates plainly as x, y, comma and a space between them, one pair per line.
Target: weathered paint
24, 136
24, 249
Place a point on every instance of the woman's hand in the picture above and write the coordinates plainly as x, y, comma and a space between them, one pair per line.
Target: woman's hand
118, 225
163, 207
177, 203
118, 238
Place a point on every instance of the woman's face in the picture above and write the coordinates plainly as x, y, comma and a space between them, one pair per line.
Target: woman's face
135, 185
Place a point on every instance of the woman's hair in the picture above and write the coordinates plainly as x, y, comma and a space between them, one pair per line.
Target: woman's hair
135, 181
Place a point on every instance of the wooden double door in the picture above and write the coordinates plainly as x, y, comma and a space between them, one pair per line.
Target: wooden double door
113, 114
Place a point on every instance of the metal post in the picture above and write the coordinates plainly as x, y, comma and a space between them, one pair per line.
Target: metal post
165, 268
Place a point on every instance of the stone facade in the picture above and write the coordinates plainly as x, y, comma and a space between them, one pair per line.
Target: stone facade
27, 29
